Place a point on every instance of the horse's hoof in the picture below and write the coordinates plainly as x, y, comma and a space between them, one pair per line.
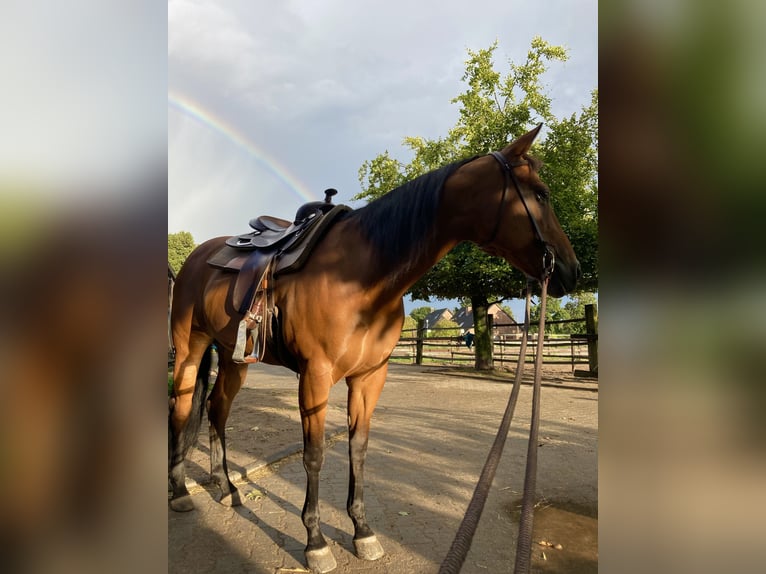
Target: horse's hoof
231, 499
368, 548
320, 560
182, 503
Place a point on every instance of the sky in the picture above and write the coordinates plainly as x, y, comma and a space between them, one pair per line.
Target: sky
270, 103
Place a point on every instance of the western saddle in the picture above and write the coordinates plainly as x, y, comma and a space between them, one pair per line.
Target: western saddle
274, 247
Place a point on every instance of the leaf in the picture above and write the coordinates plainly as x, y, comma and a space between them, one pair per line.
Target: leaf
254, 494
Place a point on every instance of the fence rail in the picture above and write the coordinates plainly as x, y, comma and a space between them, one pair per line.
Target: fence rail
422, 345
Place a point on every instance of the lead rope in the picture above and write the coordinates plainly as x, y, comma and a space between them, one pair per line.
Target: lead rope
455, 557
524, 543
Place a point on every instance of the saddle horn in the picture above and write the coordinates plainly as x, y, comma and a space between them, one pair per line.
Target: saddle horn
328, 193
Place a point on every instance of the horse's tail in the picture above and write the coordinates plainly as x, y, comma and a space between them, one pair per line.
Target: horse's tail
189, 433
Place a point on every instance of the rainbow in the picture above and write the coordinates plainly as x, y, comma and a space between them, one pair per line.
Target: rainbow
194, 110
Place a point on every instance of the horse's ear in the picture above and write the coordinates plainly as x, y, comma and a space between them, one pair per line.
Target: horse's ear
522, 144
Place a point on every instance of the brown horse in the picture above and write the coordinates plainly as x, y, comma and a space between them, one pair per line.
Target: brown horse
342, 313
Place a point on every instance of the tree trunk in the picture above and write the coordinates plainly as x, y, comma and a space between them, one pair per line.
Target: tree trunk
483, 339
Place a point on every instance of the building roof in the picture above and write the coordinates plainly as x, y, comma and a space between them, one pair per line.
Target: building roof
435, 316
464, 316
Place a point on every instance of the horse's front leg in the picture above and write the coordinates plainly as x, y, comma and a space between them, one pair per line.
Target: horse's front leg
313, 394
363, 393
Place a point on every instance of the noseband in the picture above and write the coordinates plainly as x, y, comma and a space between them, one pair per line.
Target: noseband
549, 258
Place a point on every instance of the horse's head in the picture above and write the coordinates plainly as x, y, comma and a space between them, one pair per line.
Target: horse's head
525, 230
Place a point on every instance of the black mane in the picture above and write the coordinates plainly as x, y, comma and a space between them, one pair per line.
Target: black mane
399, 223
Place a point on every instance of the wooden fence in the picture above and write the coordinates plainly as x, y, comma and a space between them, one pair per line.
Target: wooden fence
421, 345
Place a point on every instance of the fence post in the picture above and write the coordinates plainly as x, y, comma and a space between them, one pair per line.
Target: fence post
420, 334
590, 329
491, 328
571, 352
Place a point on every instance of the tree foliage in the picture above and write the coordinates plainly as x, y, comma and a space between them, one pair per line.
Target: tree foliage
408, 329
420, 313
494, 109
570, 168
444, 328
574, 308
180, 245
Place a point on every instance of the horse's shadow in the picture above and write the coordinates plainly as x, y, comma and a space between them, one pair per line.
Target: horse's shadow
289, 544
219, 554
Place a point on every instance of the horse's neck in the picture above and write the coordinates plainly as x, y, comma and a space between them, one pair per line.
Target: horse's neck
463, 215
397, 277
457, 219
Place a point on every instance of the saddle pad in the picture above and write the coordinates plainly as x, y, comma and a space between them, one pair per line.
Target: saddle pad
294, 255
229, 259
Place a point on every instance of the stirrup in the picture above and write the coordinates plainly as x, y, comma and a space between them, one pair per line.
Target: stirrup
238, 356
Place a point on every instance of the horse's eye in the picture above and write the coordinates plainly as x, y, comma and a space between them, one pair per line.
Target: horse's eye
541, 193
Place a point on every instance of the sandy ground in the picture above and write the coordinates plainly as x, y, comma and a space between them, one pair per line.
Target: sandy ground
432, 430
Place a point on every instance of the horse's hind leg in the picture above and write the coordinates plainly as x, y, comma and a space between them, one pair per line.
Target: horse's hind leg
363, 393
229, 381
189, 388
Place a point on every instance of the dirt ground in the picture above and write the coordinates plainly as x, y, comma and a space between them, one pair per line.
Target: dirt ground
432, 430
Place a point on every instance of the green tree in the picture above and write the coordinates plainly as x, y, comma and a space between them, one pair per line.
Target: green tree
409, 326
554, 311
420, 313
445, 328
509, 312
574, 308
180, 245
570, 168
493, 110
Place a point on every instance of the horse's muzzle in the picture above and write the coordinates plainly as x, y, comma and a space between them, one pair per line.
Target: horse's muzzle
564, 278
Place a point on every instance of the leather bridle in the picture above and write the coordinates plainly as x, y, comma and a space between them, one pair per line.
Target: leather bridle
549, 257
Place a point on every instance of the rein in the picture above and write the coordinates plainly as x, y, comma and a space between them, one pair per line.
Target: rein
524, 541
457, 553
549, 257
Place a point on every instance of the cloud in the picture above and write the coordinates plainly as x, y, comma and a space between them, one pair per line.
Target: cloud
323, 86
